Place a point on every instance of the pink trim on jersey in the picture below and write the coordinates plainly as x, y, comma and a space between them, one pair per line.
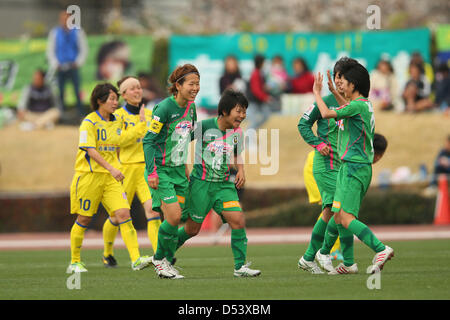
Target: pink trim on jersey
331, 157
230, 132
343, 106
168, 127
204, 170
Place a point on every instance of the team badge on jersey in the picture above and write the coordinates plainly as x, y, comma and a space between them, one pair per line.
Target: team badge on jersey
183, 128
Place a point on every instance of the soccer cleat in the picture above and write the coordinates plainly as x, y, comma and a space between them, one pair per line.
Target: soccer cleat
310, 266
342, 269
163, 270
109, 262
324, 261
380, 259
173, 270
76, 267
245, 271
141, 263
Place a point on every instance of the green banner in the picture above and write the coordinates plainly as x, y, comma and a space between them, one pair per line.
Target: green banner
320, 50
443, 37
109, 58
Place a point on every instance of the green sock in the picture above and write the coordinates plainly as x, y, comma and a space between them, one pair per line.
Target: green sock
167, 241
331, 234
317, 237
364, 234
239, 247
182, 237
346, 237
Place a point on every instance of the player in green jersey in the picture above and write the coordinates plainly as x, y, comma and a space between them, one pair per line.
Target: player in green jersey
326, 165
355, 149
219, 145
165, 150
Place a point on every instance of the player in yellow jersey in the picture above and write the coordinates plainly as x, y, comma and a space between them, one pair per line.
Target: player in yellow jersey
314, 197
98, 179
135, 123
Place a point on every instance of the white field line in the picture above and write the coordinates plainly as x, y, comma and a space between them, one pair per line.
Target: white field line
223, 239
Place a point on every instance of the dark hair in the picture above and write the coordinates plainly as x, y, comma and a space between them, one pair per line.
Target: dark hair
303, 62
259, 61
417, 65
229, 99
379, 143
359, 76
101, 92
342, 64
178, 76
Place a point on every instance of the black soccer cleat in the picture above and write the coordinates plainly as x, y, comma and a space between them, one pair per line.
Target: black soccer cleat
109, 262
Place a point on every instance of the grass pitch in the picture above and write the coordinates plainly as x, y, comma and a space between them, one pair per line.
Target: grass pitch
419, 270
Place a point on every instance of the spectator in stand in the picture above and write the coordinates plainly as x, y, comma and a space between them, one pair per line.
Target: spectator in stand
66, 52
151, 91
38, 107
277, 81
260, 100
383, 87
303, 79
231, 77
442, 87
441, 166
417, 90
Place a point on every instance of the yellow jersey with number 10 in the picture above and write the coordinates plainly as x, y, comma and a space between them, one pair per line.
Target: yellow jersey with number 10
104, 136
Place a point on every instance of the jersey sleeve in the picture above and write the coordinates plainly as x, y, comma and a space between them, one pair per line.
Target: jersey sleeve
348, 110
132, 133
87, 135
306, 123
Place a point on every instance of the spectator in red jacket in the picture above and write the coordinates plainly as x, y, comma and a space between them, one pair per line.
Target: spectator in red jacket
260, 101
303, 80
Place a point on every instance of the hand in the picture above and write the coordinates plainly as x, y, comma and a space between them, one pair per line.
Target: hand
142, 113
325, 151
117, 174
330, 82
240, 179
186, 172
317, 87
153, 181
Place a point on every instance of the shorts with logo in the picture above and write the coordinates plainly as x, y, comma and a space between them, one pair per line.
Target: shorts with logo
352, 183
88, 189
173, 186
206, 195
135, 182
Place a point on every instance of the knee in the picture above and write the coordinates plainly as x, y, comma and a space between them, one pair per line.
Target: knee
84, 220
122, 215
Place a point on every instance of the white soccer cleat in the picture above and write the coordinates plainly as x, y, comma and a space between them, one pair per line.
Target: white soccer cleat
324, 261
245, 271
342, 269
141, 263
162, 268
173, 270
76, 267
380, 259
310, 266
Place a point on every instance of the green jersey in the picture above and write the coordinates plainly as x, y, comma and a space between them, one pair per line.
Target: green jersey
215, 151
355, 139
327, 133
166, 142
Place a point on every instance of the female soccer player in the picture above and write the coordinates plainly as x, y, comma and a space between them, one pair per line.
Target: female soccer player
326, 165
135, 121
165, 150
219, 144
355, 148
98, 179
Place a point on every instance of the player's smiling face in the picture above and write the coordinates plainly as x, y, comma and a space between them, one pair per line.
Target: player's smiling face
236, 116
133, 95
347, 88
338, 82
189, 89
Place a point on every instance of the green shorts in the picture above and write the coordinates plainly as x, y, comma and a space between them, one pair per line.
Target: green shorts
352, 183
326, 183
173, 186
205, 195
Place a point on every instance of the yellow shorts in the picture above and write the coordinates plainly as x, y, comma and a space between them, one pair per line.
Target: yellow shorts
88, 189
135, 182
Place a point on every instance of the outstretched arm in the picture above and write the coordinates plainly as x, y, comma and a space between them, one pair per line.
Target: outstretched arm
317, 88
